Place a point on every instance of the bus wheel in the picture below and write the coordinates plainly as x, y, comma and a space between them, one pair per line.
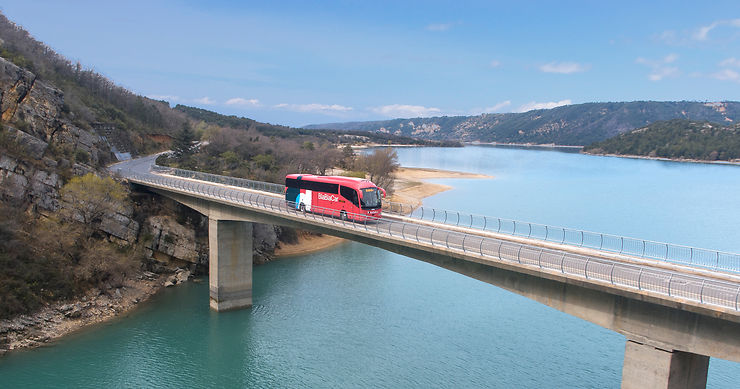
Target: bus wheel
302, 207
343, 215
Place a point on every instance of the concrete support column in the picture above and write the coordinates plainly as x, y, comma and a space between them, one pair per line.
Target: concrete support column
648, 367
230, 264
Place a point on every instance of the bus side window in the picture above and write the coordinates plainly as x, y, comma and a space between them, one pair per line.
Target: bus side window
349, 194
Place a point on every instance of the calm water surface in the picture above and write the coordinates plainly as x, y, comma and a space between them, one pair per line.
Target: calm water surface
357, 316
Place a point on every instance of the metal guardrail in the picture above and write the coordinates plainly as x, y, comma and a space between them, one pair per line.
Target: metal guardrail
233, 181
686, 255
710, 259
638, 277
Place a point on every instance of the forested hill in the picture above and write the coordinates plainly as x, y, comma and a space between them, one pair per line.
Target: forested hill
676, 139
578, 124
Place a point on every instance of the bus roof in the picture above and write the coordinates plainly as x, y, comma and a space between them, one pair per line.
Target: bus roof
352, 182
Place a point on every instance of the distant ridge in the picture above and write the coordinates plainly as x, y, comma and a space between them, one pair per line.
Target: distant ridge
577, 124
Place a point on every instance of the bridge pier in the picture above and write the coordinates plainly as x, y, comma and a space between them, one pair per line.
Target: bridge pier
646, 366
230, 264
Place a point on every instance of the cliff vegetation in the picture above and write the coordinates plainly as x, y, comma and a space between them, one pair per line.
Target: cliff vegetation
676, 139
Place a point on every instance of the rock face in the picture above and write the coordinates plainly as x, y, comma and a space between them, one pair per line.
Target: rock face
32, 109
174, 239
33, 118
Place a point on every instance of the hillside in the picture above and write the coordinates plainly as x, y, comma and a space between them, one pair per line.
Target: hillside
578, 124
676, 139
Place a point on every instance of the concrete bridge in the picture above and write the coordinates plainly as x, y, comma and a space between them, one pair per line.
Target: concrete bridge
674, 316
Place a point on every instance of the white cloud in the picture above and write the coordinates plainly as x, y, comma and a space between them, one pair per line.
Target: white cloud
439, 27
164, 97
726, 75
497, 107
702, 33
730, 62
323, 108
663, 72
243, 102
406, 111
564, 67
548, 105
205, 101
494, 63
659, 68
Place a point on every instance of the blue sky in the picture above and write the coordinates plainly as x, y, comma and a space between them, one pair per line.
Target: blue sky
300, 62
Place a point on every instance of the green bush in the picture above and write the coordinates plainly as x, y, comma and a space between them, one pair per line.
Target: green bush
82, 156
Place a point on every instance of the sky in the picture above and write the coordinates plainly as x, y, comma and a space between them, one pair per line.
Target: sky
303, 62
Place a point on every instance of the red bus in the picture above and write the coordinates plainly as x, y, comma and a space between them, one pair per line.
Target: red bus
346, 197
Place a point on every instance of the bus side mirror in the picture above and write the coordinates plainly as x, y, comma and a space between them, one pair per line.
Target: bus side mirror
382, 191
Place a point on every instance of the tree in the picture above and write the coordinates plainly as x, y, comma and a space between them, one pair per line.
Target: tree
182, 145
380, 165
89, 198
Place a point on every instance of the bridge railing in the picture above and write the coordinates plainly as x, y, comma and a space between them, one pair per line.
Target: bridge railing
215, 178
637, 277
710, 259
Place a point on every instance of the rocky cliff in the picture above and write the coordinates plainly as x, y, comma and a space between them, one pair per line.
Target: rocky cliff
43, 148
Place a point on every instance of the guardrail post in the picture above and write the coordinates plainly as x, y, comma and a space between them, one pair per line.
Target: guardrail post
499, 225
737, 294
529, 234
481, 246
445, 221
447, 239
717, 266
546, 232
539, 258
471, 221
417, 234
434, 214
458, 219
431, 237
485, 222
601, 243
463, 242
518, 254
403, 235
666, 251
669, 284
701, 292
621, 245
585, 268
611, 275
562, 260
639, 280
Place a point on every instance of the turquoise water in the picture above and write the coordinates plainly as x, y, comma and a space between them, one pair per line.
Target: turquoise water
357, 316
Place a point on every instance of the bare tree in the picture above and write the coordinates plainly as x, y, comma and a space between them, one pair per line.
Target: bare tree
380, 165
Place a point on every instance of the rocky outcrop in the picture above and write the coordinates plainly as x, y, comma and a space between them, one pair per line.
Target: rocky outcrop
174, 240
32, 112
26, 183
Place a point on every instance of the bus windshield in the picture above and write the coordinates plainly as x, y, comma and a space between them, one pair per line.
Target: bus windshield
370, 198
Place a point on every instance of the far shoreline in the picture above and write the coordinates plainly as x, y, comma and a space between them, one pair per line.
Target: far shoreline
664, 159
